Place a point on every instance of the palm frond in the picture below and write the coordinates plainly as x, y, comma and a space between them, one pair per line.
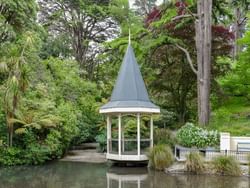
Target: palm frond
20, 130
13, 120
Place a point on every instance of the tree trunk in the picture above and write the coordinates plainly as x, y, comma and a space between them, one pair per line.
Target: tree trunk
236, 31
11, 135
9, 116
203, 45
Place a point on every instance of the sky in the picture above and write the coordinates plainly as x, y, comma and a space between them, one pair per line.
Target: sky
132, 1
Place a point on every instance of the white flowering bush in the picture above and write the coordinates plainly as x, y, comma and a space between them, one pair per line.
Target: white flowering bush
192, 136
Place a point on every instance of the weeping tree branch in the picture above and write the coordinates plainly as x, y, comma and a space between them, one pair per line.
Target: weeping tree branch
190, 62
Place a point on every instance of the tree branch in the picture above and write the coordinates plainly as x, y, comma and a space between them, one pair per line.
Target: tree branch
188, 58
183, 16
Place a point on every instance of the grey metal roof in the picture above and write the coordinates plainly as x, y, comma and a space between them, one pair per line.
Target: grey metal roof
129, 90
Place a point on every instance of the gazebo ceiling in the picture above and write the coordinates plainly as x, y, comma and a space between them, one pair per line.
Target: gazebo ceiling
130, 93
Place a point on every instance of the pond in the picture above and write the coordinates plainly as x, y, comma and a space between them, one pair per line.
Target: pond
82, 175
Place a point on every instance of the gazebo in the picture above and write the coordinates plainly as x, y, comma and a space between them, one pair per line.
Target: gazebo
129, 100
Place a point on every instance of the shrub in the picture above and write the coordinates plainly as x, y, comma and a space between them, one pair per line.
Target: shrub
101, 139
54, 144
160, 157
11, 156
36, 154
164, 136
194, 163
190, 135
226, 165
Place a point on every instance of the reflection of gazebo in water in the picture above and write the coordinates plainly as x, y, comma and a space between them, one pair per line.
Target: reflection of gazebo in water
129, 114
130, 178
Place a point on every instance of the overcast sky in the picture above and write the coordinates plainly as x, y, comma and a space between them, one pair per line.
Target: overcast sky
132, 1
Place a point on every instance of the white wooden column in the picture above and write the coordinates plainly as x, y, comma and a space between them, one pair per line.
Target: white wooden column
108, 133
119, 133
138, 135
123, 143
151, 131
119, 183
108, 179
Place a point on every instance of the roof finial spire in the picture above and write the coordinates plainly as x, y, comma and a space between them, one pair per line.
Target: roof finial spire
129, 37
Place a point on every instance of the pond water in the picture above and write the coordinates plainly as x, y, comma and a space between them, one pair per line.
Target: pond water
82, 175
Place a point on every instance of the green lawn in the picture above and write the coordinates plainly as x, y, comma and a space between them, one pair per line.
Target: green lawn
233, 117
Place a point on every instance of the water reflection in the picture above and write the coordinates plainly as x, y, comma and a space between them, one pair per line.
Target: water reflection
142, 178
55, 175
126, 178
80, 175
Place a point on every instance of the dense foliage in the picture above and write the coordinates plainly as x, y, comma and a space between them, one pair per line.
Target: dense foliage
45, 104
192, 136
72, 102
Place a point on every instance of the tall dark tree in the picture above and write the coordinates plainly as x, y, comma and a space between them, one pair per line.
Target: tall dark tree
203, 47
86, 24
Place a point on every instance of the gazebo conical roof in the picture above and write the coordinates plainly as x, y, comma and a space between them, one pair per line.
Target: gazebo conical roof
130, 93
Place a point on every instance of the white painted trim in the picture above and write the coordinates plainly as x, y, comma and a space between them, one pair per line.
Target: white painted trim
138, 109
116, 157
126, 177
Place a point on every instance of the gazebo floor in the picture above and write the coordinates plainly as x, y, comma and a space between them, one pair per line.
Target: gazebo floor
127, 157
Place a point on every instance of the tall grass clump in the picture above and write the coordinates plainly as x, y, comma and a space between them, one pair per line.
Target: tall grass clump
195, 163
160, 157
226, 165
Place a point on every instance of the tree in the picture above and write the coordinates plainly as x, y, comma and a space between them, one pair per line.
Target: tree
15, 17
203, 47
241, 8
236, 82
14, 64
144, 7
86, 24
178, 27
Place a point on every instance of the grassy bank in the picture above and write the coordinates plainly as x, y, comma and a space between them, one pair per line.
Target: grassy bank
233, 117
